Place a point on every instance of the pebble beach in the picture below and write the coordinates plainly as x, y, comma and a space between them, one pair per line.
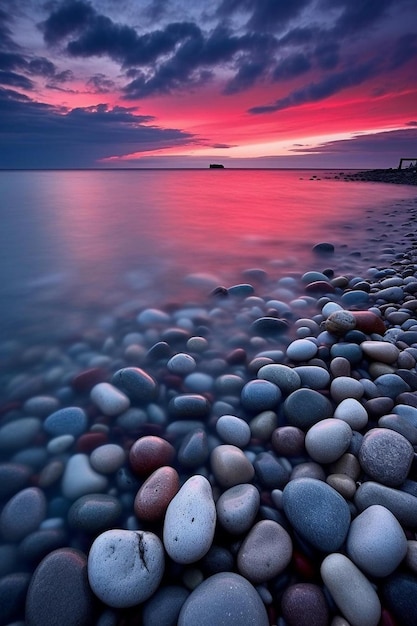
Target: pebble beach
246, 457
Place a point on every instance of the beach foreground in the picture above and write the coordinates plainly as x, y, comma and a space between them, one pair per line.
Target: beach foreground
248, 457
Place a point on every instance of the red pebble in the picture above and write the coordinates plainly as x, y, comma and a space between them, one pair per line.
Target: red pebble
368, 322
387, 619
156, 493
149, 453
236, 357
89, 441
319, 287
85, 381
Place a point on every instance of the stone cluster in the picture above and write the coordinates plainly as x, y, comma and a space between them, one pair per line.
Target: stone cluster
246, 459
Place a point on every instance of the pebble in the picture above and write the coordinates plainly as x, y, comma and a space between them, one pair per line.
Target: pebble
13, 478
265, 552
399, 593
351, 591
400, 425
110, 400
301, 350
137, 384
305, 407
95, 513
60, 444
19, 433
343, 484
326, 441
125, 567
344, 387
80, 479
286, 378
164, 607
13, 589
41, 406
263, 425
380, 351
304, 604
107, 459
230, 466
237, 508
154, 496
189, 406
224, 598
40, 543
376, 543
340, 322
391, 385
401, 504
271, 471
59, 593
22, 514
317, 512
233, 430
260, 395
190, 521
194, 449
313, 376
288, 441
353, 413
68, 421
182, 363
150, 452
386, 456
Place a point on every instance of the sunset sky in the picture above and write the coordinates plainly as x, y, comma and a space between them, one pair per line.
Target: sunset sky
182, 83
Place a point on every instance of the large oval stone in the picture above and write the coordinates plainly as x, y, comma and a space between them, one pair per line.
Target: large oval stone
386, 456
137, 384
190, 521
317, 512
225, 598
125, 567
265, 552
237, 508
230, 466
305, 407
328, 440
22, 514
59, 593
376, 542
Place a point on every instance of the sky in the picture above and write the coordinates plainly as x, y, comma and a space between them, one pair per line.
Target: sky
183, 83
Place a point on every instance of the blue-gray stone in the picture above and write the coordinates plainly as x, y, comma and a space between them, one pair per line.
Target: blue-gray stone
260, 395
22, 514
242, 290
95, 513
269, 326
40, 543
399, 593
13, 589
68, 421
350, 351
225, 598
409, 337
313, 376
391, 294
386, 456
286, 378
407, 412
13, 478
305, 407
194, 449
189, 406
400, 425
137, 384
164, 607
270, 471
401, 504
391, 385
354, 298
317, 512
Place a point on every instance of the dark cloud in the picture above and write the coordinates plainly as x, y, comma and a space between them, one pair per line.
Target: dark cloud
357, 16
100, 84
15, 80
41, 66
70, 17
411, 123
40, 135
247, 74
329, 86
264, 15
12, 61
291, 66
405, 50
327, 55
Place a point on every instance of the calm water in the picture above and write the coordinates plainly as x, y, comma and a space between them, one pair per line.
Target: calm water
75, 242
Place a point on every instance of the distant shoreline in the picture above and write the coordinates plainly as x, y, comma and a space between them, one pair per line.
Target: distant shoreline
393, 176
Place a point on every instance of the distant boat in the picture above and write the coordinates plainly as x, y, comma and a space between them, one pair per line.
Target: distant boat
216, 166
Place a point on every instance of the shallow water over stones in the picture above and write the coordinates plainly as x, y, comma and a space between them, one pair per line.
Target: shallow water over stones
243, 461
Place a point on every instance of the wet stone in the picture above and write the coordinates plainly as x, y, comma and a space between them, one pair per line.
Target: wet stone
150, 452
154, 496
224, 598
301, 350
94, 513
386, 456
288, 441
260, 395
326, 441
13, 478
19, 433
271, 472
317, 512
305, 407
399, 594
304, 604
403, 505
137, 384
63, 569
110, 400
391, 385
233, 430
22, 514
230, 466
189, 406
313, 376
237, 508
265, 552
194, 449
286, 378
67, 421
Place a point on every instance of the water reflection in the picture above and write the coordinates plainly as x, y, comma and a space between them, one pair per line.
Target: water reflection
82, 237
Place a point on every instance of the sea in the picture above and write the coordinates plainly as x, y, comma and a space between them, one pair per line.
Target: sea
77, 244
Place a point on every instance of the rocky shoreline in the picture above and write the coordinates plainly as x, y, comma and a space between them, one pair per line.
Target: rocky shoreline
248, 458
407, 176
